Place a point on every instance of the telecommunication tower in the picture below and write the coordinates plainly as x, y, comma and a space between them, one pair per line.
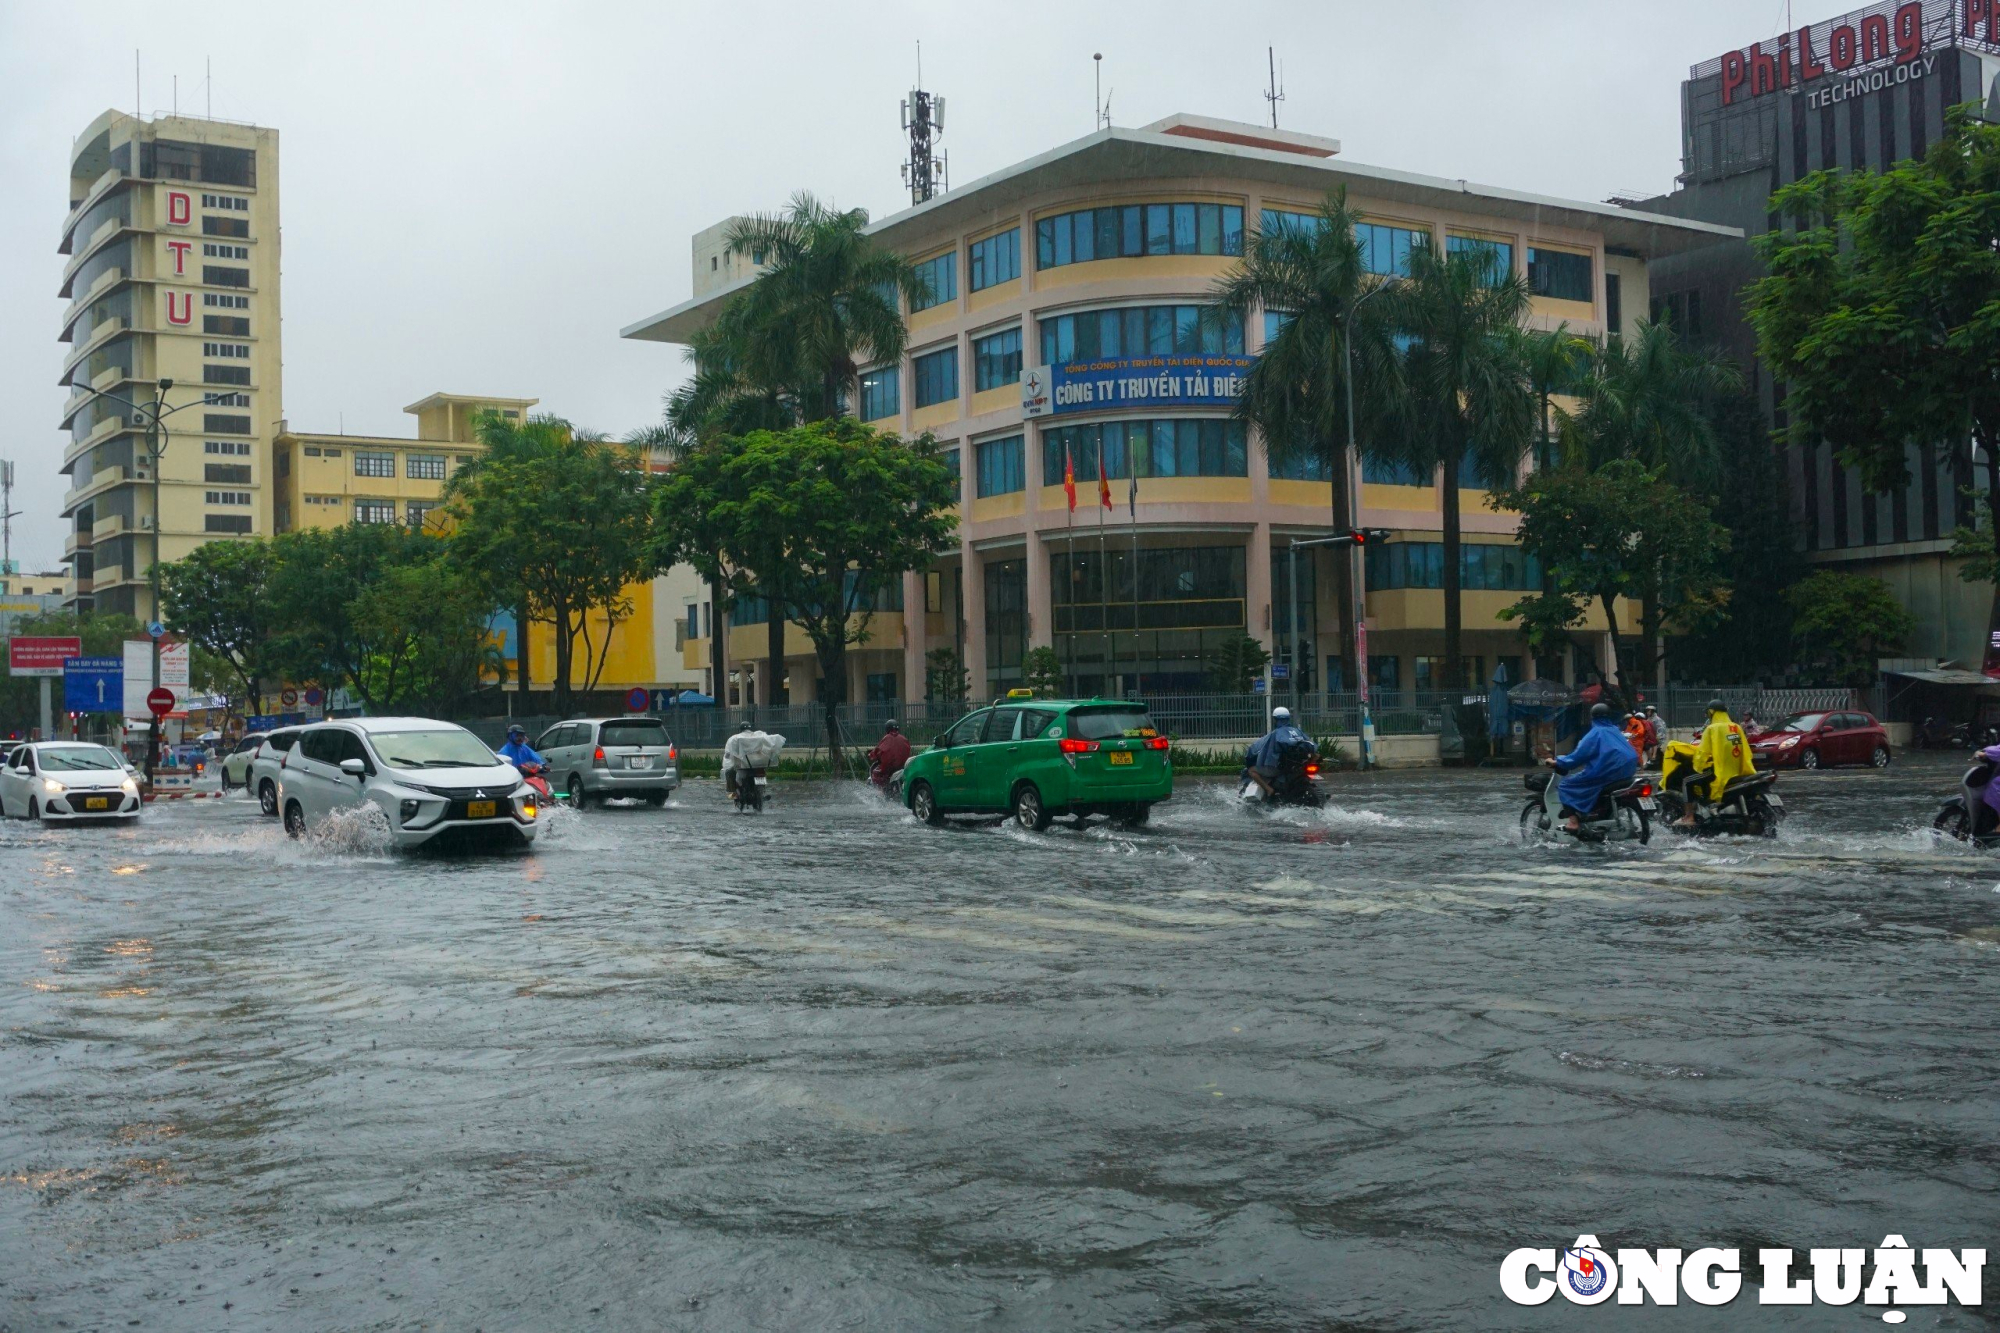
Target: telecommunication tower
927, 171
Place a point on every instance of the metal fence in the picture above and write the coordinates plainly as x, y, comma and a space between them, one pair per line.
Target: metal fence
1192, 718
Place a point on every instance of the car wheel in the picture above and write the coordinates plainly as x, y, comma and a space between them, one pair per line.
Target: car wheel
923, 804
267, 799
573, 794
1809, 760
1880, 758
1137, 816
34, 810
1029, 812
657, 799
295, 820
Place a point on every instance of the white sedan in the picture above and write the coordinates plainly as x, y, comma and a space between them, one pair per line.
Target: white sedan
64, 780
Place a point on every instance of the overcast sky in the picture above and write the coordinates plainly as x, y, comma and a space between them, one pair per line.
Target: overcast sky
476, 197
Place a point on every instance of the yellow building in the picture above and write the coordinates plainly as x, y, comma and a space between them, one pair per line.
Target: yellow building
323, 481
171, 275
1068, 284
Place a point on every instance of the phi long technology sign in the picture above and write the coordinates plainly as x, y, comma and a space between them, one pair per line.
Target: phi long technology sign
1198, 380
1867, 50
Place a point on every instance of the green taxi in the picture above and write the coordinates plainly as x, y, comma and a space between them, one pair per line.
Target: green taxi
1035, 759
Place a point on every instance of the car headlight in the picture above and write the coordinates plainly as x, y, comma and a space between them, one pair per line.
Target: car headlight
1788, 742
52, 787
131, 787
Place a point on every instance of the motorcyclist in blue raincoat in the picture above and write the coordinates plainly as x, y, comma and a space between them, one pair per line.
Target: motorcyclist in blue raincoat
517, 751
1603, 759
1266, 753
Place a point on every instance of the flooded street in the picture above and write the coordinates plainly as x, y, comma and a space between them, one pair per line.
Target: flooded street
832, 1069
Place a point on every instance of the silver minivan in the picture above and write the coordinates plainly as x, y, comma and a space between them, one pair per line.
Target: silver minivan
593, 759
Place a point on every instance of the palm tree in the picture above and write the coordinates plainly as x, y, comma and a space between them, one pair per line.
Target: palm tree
1313, 275
825, 304
1557, 362
1656, 400
1466, 394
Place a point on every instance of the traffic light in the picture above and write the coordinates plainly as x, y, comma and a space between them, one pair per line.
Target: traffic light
1362, 536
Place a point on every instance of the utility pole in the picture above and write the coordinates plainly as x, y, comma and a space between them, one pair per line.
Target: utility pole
1355, 539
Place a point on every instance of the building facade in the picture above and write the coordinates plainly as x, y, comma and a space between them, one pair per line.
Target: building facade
1862, 91
171, 278
1063, 326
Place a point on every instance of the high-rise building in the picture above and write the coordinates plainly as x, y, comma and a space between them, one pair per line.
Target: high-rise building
1859, 92
172, 283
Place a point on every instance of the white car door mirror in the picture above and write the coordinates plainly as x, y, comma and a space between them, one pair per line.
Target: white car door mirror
354, 768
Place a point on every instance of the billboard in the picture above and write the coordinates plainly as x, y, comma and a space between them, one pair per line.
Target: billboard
139, 673
28, 656
1193, 380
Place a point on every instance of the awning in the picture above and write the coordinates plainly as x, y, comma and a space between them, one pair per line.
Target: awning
1941, 677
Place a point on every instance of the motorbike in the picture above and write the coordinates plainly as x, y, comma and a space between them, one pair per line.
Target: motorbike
1624, 815
889, 784
1298, 781
536, 777
747, 760
746, 787
1966, 816
1748, 808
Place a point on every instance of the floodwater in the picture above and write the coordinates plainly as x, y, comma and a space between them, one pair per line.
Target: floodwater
829, 1069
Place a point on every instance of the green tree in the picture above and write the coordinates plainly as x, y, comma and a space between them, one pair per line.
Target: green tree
565, 520
1312, 273
1465, 392
1617, 531
320, 629
431, 624
103, 634
947, 680
1653, 399
1042, 671
1236, 662
1841, 623
218, 596
1880, 308
1556, 362
816, 518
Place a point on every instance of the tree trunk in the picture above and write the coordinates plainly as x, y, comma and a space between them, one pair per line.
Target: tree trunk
717, 685
1611, 675
560, 624
521, 648
1454, 658
832, 658
1343, 573
774, 654
1651, 645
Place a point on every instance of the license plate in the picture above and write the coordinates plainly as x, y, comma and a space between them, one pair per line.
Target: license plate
481, 809
97, 803
1647, 803
1777, 802
1120, 757
638, 761
762, 782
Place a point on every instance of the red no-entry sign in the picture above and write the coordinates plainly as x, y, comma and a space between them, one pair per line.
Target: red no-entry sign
161, 701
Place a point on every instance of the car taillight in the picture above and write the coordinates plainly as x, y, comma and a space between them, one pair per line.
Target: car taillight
1071, 745
1158, 743
597, 758
673, 754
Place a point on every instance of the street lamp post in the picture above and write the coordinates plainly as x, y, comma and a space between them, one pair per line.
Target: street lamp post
1358, 577
157, 436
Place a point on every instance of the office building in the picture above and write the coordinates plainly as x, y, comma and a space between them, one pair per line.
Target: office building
171, 275
1865, 90
1087, 263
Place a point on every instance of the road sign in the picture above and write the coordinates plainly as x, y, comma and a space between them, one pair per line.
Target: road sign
1280, 671
160, 701
314, 696
139, 671
40, 656
638, 699
289, 698
94, 685
156, 629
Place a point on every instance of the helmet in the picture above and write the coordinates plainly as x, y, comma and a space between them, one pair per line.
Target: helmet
515, 731
1598, 712
1717, 706
1281, 714
890, 725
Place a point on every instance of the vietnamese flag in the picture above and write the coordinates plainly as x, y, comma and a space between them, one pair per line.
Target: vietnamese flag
1069, 477
1103, 484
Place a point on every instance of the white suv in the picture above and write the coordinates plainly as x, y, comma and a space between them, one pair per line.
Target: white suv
263, 775
434, 781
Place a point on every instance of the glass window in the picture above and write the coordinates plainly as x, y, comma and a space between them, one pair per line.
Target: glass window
1139, 331
879, 394
996, 259
1002, 724
1159, 229
1388, 472
996, 360
1284, 220
1000, 466
935, 375
1184, 233
1497, 255
1134, 229
939, 278
374, 465
968, 728
1201, 447
425, 467
1386, 250
1560, 275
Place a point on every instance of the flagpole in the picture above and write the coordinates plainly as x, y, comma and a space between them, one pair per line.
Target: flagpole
1103, 564
1132, 509
1069, 572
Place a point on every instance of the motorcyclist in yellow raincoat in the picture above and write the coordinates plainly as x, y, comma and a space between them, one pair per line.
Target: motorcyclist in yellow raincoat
1721, 758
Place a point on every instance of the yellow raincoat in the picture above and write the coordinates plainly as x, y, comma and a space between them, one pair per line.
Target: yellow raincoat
1725, 752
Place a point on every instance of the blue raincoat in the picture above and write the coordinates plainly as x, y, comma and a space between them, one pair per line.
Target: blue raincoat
1265, 750
1602, 759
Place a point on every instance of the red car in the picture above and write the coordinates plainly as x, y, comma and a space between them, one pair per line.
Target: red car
1822, 740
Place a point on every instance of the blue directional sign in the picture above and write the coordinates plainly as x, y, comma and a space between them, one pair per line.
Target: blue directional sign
94, 685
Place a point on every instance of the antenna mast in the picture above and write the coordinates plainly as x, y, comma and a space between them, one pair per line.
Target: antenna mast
7, 515
1103, 109
1276, 94
926, 172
